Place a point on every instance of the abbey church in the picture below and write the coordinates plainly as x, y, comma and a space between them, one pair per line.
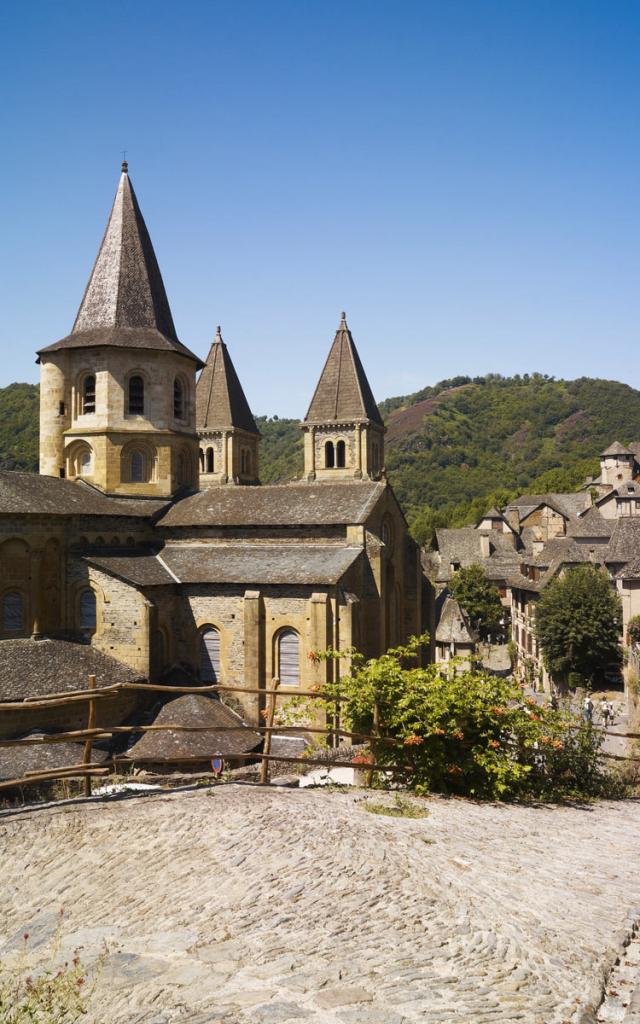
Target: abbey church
146, 547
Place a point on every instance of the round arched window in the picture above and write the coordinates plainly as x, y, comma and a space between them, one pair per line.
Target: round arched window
210, 654
87, 615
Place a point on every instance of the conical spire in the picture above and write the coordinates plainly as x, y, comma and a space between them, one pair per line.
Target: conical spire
125, 303
343, 392
220, 401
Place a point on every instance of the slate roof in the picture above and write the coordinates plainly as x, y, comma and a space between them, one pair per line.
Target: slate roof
630, 489
452, 625
616, 449
590, 524
631, 571
301, 504
234, 563
29, 493
17, 761
125, 303
196, 710
569, 504
31, 668
143, 570
220, 400
561, 550
464, 545
253, 563
343, 392
624, 545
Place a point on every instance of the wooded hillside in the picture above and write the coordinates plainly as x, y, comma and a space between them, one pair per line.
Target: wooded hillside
453, 449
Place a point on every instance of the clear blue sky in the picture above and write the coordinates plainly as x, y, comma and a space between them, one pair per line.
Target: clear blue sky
461, 177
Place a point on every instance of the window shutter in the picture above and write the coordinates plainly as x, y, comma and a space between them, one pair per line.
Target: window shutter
210, 656
289, 658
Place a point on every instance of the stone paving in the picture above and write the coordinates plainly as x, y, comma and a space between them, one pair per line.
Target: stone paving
241, 904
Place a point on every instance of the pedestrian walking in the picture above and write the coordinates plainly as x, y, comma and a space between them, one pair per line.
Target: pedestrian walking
607, 712
587, 709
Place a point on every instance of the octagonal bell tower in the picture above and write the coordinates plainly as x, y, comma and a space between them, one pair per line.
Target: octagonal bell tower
117, 395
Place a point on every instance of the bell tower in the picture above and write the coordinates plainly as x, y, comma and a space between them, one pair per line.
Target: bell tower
227, 433
117, 395
343, 429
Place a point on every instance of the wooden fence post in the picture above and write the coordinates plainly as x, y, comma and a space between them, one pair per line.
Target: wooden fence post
266, 746
91, 724
375, 732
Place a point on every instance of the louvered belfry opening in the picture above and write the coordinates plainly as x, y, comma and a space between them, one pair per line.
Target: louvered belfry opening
289, 658
210, 655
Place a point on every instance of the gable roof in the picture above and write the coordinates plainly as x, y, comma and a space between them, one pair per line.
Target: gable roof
32, 494
629, 489
566, 504
343, 391
125, 303
303, 504
220, 400
193, 709
590, 523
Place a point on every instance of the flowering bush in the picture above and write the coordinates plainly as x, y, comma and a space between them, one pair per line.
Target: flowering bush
465, 732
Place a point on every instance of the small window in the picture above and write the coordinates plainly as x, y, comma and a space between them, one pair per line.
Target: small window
136, 396
89, 394
341, 449
210, 460
60, 408
210, 655
88, 611
137, 467
329, 455
178, 399
13, 612
86, 463
289, 658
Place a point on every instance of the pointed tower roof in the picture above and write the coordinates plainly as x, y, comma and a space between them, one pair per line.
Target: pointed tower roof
343, 391
125, 303
220, 400
616, 449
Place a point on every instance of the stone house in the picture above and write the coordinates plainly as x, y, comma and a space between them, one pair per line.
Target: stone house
147, 538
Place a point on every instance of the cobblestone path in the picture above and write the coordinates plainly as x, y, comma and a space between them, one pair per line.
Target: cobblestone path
246, 905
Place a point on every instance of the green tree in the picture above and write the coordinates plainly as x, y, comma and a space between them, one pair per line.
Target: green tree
578, 625
479, 600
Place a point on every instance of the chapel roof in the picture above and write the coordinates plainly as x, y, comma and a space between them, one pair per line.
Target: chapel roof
32, 494
343, 392
294, 504
31, 668
220, 400
194, 709
125, 303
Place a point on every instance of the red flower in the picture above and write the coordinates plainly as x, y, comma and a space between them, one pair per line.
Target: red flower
494, 744
314, 657
498, 710
413, 741
457, 735
362, 759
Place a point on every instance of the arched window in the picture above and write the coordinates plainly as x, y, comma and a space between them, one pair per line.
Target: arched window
13, 612
87, 617
210, 655
89, 394
184, 469
85, 463
178, 399
245, 462
289, 658
138, 469
210, 460
135, 406
329, 455
340, 454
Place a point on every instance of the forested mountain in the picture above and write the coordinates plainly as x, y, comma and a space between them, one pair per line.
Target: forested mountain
453, 449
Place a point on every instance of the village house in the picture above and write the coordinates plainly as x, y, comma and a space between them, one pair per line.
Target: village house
147, 547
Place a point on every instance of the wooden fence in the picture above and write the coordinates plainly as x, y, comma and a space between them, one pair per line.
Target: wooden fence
92, 733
